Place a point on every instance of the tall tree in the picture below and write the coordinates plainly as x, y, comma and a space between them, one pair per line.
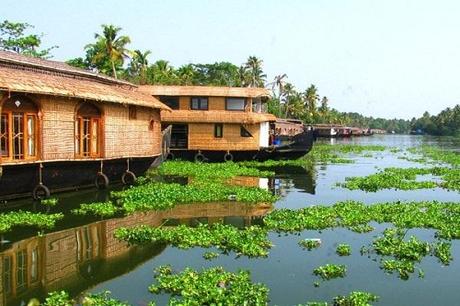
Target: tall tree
311, 99
13, 37
138, 66
114, 46
256, 76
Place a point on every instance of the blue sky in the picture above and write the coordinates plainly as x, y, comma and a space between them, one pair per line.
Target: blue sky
391, 58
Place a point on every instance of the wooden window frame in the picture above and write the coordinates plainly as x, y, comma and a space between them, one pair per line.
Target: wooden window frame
26, 156
199, 103
216, 129
236, 110
244, 132
79, 128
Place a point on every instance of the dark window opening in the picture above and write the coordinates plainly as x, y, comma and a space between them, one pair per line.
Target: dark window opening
235, 104
179, 136
172, 102
244, 132
199, 103
132, 112
218, 130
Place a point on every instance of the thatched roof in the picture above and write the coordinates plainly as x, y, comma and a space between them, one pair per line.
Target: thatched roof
207, 91
197, 116
19, 73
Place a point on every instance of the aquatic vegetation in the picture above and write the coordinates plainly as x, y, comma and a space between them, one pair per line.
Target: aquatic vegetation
438, 155
62, 298
310, 244
356, 298
210, 255
101, 209
442, 216
442, 250
213, 286
330, 271
343, 250
406, 252
27, 218
51, 202
160, 196
404, 267
210, 170
251, 241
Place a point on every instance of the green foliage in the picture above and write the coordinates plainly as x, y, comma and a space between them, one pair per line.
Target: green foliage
446, 123
442, 250
209, 171
356, 298
251, 241
51, 202
310, 244
27, 218
343, 250
442, 216
13, 37
210, 255
404, 267
213, 286
101, 209
330, 271
62, 298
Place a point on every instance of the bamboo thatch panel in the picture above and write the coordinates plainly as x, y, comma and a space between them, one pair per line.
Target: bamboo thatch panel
210, 116
19, 73
201, 137
206, 91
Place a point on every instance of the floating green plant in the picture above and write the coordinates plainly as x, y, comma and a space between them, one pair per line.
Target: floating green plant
251, 241
27, 218
51, 202
356, 298
213, 286
310, 244
210, 255
102, 209
343, 250
62, 298
330, 271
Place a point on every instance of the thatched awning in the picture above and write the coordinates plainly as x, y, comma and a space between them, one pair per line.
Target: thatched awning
197, 116
206, 91
22, 74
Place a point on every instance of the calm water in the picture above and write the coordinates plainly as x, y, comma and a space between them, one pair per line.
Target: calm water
82, 255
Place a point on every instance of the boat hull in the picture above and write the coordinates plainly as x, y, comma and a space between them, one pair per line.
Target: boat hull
19, 180
291, 147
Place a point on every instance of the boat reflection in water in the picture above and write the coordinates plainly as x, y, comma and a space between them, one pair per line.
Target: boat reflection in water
78, 258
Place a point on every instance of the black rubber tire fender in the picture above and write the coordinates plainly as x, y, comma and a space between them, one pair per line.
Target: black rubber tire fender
128, 178
41, 192
101, 181
199, 157
228, 157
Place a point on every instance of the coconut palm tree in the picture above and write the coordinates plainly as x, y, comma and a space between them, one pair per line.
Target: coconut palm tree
186, 74
256, 76
114, 46
139, 64
311, 98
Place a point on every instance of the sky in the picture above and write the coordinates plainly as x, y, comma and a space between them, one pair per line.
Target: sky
388, 58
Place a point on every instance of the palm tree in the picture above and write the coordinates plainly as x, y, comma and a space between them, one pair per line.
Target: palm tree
139, 64
311, 98
114, 46
255, 73
186, 74
163, 73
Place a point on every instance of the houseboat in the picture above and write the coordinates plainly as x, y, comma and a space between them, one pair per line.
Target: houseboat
326, 130
64, 128
227, 123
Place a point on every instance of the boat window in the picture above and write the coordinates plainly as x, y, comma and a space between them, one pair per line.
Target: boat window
218, 130
244, 132
235, 104
132, 110
18, 129
87, 131
172, 102
199, 103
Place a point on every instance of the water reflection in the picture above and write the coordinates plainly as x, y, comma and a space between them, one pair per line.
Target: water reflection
78, 258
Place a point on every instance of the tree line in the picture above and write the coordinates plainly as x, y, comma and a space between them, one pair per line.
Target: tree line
110, 54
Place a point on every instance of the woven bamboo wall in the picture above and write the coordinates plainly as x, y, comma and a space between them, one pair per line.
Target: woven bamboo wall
201, 137
131, 137
124, 137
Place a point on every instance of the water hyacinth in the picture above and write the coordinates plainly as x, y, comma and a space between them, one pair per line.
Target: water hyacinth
251, 241
27, 218
213, 286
